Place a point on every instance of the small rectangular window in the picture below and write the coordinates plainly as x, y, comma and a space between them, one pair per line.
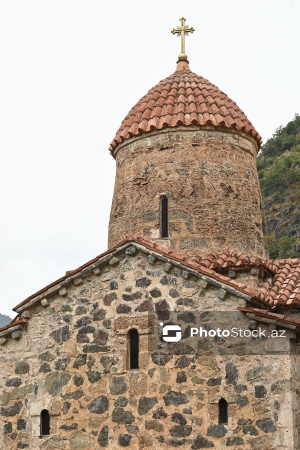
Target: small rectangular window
164, 217
133, 349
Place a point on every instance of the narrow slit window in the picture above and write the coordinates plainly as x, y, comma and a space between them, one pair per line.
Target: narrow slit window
164, 217
45, 423
223, 411
133, 349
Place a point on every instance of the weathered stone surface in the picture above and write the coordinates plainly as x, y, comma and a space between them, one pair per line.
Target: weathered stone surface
80, 441
182, 362
100, 337
261, 443
22, 367
123, 309
62, 334
99, 405
21, 392
93, 376
232, 373
113, 285
146, 305
159, 413
232, 441
82, 322
143, 282
103, 436
78, 380
73, 426
155, 293
181, 430
174, 293
145, 404
216, 431
73, 395
163, 310
119, 415
132, 429
154, 425
12, 410
66, 407
260, 391
251, 430
80, 361
118, 385
145, 440
121, 401
242, 400
257, 373
168, 280
109, 298
61, 364
175, 398
266, 425
21, 424
94, 348
131, 250
161, 359
214, 381
124, 440
280, 386
55, 382
201, 442
15, 382
7, 428
99, 314
181, 377
47, 356
178, 418
131, 297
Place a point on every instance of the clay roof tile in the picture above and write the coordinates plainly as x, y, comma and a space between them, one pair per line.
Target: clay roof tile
194, 94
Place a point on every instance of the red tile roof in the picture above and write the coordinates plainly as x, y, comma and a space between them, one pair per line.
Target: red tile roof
183, 98
285, 288
282, 289
233, 258
270, 315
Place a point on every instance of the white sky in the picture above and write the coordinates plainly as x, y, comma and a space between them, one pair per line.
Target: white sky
71, 70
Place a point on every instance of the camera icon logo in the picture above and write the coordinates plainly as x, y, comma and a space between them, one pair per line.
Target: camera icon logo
171, 333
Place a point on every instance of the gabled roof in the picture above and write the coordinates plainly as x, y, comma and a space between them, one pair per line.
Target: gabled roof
153, 248
283, 289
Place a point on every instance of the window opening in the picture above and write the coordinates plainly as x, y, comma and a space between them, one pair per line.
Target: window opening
223, 411
164, 217
133, 349
45, 423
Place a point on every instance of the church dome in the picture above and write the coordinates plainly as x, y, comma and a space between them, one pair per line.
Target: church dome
183, 99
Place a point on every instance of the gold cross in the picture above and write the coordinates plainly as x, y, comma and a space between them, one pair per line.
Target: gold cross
182, 30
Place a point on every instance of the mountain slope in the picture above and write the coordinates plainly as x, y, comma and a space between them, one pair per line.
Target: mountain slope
279, 173
4, 320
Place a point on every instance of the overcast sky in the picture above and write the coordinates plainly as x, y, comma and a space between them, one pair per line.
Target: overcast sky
71, 70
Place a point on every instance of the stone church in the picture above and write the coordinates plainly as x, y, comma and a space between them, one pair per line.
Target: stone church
183, 333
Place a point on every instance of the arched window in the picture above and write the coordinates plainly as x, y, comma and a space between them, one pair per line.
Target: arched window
164, 217
223, 411
45, 423
133, 349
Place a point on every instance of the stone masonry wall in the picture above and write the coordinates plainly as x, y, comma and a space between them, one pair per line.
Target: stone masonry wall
72, 359
210, 179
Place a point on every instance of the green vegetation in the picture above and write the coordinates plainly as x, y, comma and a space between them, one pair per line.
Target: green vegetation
278, 166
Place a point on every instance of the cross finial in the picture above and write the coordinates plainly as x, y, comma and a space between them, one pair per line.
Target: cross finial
182, 30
